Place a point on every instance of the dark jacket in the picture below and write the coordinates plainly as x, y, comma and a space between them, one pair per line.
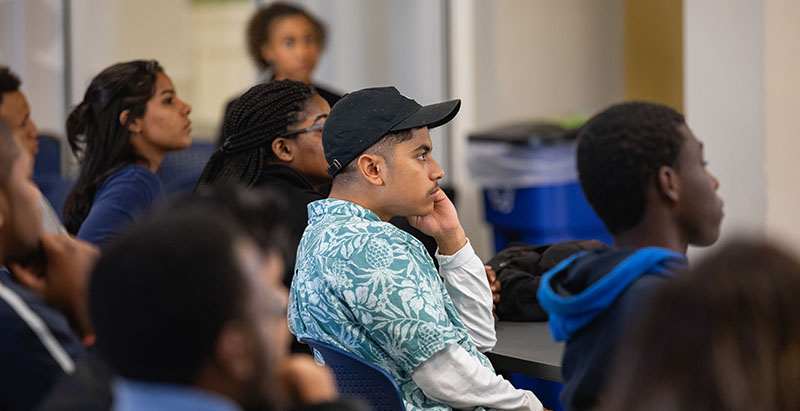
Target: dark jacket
31, 361
590, 298
519, 270
299, 192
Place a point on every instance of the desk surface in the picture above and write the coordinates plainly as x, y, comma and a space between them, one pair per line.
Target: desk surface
527, 348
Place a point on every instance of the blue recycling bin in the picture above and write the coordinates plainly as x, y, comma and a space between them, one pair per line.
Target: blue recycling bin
530, 185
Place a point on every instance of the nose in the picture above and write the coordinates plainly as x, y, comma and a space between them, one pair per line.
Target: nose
437, 172
714, 181
187, 108
34, 131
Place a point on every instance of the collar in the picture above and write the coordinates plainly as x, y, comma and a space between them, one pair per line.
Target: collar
139, 395
285, 174
332, 206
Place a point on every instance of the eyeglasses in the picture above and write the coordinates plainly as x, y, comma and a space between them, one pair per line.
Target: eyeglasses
303, 130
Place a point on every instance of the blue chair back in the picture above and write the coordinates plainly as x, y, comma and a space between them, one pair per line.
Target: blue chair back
180, 170
357, 378
47, 172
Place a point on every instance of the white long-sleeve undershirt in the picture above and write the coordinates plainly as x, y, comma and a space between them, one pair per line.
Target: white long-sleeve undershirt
454, 377
465, 280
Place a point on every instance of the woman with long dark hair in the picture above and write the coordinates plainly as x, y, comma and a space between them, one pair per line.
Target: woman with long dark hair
129, 119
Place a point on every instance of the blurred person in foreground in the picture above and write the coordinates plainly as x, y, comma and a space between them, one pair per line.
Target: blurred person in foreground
212, 334
723, 336
43, 311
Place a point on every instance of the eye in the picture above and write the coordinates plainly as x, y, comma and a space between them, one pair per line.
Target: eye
289, 42
168, 101
423, 156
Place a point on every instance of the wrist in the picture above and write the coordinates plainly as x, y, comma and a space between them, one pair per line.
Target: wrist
449, 243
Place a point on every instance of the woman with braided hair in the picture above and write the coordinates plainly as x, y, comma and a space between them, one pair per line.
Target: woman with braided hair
275, 139
130, 117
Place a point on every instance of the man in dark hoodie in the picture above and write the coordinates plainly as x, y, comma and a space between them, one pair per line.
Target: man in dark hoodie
643, 172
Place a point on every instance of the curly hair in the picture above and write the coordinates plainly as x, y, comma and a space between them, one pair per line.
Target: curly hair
9, 82
256, 118
259, 26
620, 151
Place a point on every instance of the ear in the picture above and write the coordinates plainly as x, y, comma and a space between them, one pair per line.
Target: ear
135, 127
266, 51
235, 352
282, 148
668, 183
33, 281
372, 168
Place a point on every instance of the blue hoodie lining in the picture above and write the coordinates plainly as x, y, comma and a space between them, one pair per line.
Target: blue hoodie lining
569, 314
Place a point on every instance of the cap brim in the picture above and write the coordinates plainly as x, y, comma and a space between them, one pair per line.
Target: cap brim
430, 116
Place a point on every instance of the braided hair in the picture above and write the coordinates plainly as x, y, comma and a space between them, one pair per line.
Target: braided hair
97, 138
260, 115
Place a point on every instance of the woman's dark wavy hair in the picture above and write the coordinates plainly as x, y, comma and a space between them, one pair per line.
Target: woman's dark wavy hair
97, 138
255, 119
258, 29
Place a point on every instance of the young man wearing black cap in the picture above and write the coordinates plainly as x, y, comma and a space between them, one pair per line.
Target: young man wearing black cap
364, 285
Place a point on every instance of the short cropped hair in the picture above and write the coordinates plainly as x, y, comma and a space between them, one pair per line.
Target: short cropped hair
383, 147
9, 151
9, 82
160, 296
620, 151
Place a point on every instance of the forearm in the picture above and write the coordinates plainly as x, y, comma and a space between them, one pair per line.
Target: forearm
465, 280
455, 378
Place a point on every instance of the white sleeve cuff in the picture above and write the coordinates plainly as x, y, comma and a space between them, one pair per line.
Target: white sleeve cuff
454, 377
458, 259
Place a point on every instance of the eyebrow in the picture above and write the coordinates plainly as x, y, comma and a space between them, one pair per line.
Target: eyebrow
320, 117
424, 148
167, 91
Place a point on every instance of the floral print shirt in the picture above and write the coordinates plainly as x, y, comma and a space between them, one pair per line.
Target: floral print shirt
370, 288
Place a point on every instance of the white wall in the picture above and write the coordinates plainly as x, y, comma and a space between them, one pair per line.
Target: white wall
724, 103
519, 60
31, 44
782, 143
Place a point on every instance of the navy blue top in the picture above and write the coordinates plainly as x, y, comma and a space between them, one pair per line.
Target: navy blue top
36, 346
590, 298
122, 199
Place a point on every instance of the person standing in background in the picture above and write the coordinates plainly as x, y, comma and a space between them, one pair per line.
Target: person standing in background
285, 42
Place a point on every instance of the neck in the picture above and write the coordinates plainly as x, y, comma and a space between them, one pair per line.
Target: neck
306, 80
361, 196
656, 229
152, 162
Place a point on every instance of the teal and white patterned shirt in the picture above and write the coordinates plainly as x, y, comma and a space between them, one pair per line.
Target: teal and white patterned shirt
368, 287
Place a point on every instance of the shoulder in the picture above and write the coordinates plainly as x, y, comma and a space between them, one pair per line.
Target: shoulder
328, 95
132, 180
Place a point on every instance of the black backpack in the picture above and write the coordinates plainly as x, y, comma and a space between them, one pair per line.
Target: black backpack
519, 269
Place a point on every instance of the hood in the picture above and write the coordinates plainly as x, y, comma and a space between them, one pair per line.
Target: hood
584, 285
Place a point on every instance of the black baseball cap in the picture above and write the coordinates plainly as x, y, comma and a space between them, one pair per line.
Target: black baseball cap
363, 117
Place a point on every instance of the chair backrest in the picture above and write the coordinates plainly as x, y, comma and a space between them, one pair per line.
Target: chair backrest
357, 378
